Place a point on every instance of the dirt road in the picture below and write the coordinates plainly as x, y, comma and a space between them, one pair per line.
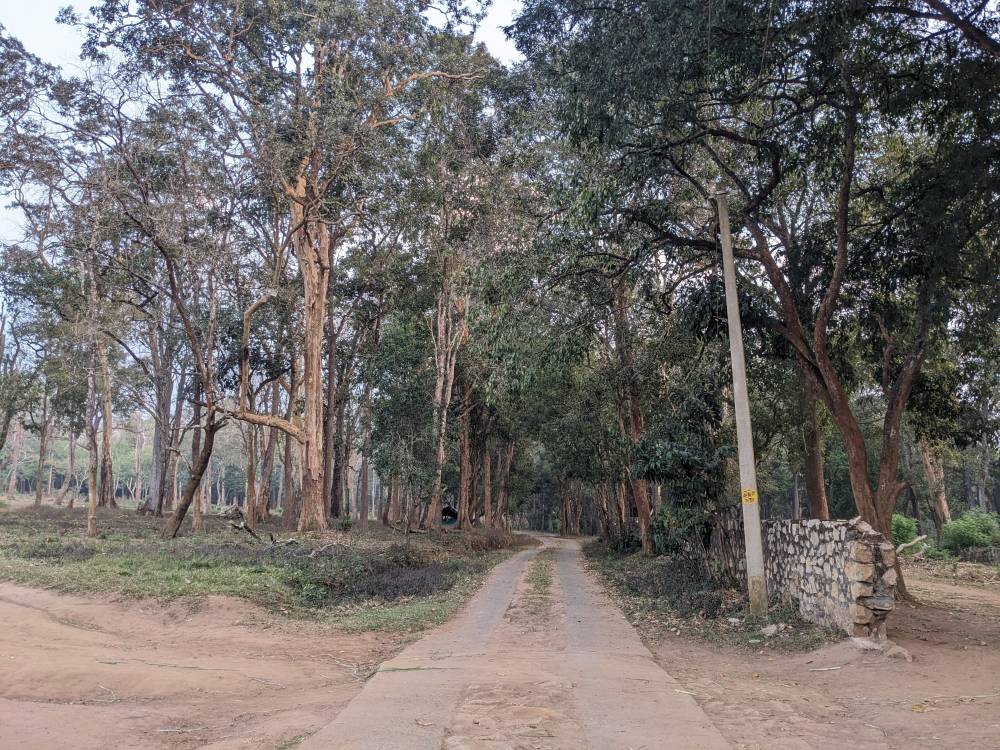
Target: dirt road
539, 659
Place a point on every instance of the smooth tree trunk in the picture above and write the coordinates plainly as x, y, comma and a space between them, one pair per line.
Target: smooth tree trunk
207, 483
487, 488
311, 241
796, 500
152, 501
622, 506
450, 335
364, 501
340, 453
163, 388
348, 510
70, 477
393, 508
43, 447
173, 454
330, 443
250, 488
137, 487
194, 480
812, 450
934, 473
92, 467
501, 514
636, 424
107, 496
197, 517
569, 521
363, 491
465, 461
267, 465
266, 475
16, 449
289, 496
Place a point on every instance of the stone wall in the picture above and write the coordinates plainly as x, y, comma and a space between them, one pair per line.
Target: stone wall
841, 573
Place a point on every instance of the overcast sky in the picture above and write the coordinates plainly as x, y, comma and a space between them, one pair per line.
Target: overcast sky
33, 22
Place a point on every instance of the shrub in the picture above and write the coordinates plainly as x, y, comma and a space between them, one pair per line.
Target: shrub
904, 529
933, 552
975, 528
313, 594
344, 523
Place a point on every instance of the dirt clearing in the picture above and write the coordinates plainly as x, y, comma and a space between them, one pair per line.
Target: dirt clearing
947, 698
92, 673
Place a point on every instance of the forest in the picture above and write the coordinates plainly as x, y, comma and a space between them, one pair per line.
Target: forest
331, 265
295, 259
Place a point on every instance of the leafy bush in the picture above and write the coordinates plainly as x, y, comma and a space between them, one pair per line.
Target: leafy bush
933, 552
904, 529
975, 528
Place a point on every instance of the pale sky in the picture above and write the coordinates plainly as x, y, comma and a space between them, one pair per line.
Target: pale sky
33, 22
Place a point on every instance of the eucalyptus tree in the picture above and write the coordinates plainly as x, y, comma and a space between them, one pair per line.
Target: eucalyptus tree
314, 94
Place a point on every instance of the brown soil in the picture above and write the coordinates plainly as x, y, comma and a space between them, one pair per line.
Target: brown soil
947, 697
91, 673
522, 667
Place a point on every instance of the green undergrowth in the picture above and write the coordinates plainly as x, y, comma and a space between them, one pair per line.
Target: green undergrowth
664, 596
377, 580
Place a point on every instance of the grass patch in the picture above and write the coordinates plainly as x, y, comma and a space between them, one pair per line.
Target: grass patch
663, 595
293, 741
377, 580
534, 602
539, 575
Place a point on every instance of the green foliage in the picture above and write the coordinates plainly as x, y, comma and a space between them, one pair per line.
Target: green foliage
975, 528
685, 449
932, 551
904, 529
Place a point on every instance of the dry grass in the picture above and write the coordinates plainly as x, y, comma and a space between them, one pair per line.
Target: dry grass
379, 579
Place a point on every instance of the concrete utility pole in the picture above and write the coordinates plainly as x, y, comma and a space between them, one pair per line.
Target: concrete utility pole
756, 581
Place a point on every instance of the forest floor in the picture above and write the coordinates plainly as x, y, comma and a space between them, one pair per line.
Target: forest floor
801, 690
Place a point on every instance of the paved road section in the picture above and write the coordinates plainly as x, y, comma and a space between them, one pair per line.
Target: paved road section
539, 659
